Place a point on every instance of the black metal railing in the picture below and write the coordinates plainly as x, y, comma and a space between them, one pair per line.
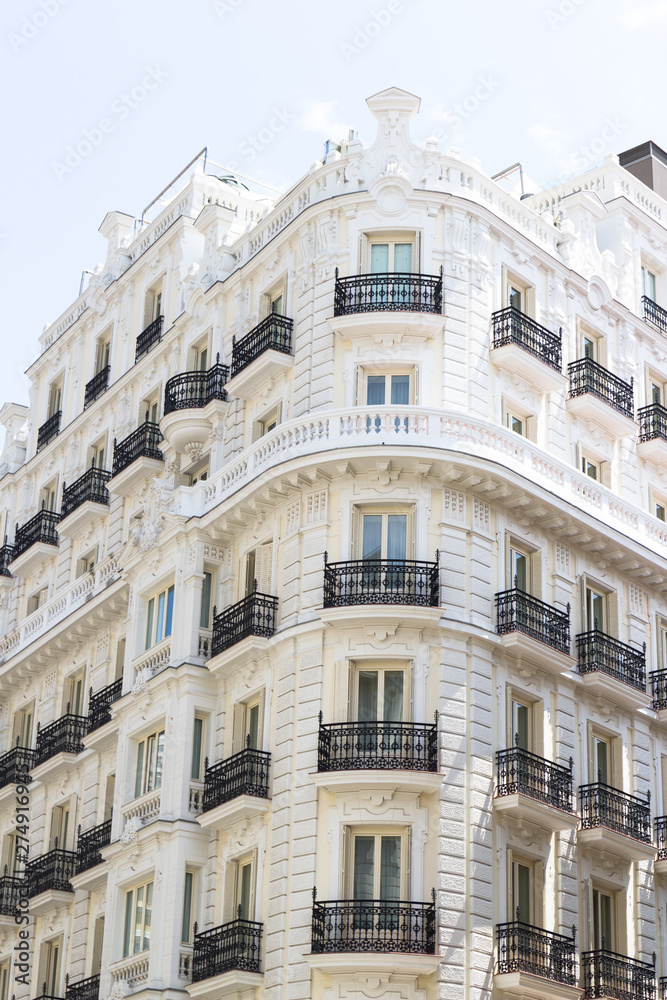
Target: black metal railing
598, 651
64, 735
6, 556
97, 386
661, 838
399, 292
49, 430
382, 746
89, 846
602, 805
92, 485
84, 989
51, 871
193, 390
40, 528
655, 314
606, 974
523, 948
15, 765
586, 375
274, 333
519, 770
662, 983
11, 890
148, 338
244, 773
373, 925
381, 581
510, 326
99, 704
142, 443
652, 422
658, 679
517, 611
47, 996
234, 945
254, 615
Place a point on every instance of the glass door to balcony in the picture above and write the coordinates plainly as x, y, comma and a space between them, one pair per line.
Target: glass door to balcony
391, 258
603, 923
383, 390
377, 883
380, 696
521, 892
601, 761
595, 610
383, 550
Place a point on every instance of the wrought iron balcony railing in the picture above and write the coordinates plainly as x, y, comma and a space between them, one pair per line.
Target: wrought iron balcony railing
83, 989
661, 838
523, 948
517, 611
142, 443
51, 871
606, 974
15, 765
89, 846
274, 333
99, 704
97, 386
598, 651
602, 805
40, 528
655, 314
64, 735
586, 375
381, 746
662, 994
373, 925
520, 770
6, 556
399, 292
254, 615
148, 338
510, 326
234, 945
658, 679
193, 390
92, 485
244, 773
652, 422
381, 581
49, 430
11, 890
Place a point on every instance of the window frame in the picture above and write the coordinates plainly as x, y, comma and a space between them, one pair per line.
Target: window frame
130, 912
380, 666
377, 831
385, 510
366, 371
159, 626
391, 237
149, 762
645, 271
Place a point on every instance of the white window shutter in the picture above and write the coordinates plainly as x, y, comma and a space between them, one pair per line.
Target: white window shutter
537, 918
345, 848
538, 728
253, 885
238, 728
230, 892
511, 914
617, 762
620, 942
263, 567
260, 721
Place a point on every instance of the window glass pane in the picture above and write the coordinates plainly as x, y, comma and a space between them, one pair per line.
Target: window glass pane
397, 525
514, 423
393, 695
390, 868
379, 258
159, 755
519, 570
205, 613
375, 390
150, 763
246, 884
277, 305
253, 727
515, 298
589, 348
601, 762
372, 536
159, 633
138, 781
196, 748
400, 390
523, 892
364, 868
170, 611
148, 916
368, 696
403, 257
138, 920
520, 717
149, 622
187, 908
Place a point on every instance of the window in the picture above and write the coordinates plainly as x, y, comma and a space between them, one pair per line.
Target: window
590, 347
73, 693
48, 495
520, 728
241, 887
198, 474
525, 889
138, 913
655, 391
515, 297
206, 610
519, 569
150, 756
37, 600
159, 615
87, 563
258, 569
4, 980
23, 725
391, 388
50, 967
153, 303
595, 610
102, 353
391, 256
120, 659
517, 294
277, 304
648, 284
150, 410
248, 724
385, 534
97, 454
590, 468
378, 866
525, 723
380, 693
62, 830
662, 643
658, 510
98, 941
188, 892
200, 357
197, 747
55, 398
515, 423
267, 423
605, 755
13, 855
602, 760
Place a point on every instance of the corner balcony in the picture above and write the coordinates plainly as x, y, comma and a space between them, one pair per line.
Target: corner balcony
522, 347
62, 738
99, 704
381, 584
136, 459
261, 355
364, 936
48, 880
533, 789
83, 502
35, 541
535, 963
597, 395
252, 619
15, 766
227, 959
652, 438
89, 875
235, 788
611, 667
193, 404
388, 308
660, 863
49, 430
654, 314
97, 386
12, 889
614, 821
148, 338
606, 974
658, 681
83, 989
6, 556
533, 630
397, 755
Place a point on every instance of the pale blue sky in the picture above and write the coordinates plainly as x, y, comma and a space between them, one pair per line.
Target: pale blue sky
559, 82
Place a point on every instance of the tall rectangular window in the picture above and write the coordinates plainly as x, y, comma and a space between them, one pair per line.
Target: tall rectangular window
159, 614
197, 746
150, 757
138, 916
205, 611
648, 284
186, 928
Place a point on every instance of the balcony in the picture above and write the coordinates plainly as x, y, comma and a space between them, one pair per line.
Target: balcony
534, 789
227, 959
136, 459
11, 890
148, 338
384, 583
84, 501
352, 935
615, 821
652, 439
597, 395
235, 788
6, 556
34, 541
97, 386
606, 974
522, 347
261, 355
99, 704
662, 995
64, 735
654, 314
49, 430
388, 306
84, 989
530, 959
601, 656
193, 405
534, 630
49, 876
255, 615
90, 844
658, 679
660, 863
15, 766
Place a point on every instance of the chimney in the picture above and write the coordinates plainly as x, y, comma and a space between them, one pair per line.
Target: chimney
648, 163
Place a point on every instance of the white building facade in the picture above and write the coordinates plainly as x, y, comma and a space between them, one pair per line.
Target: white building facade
334, 595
